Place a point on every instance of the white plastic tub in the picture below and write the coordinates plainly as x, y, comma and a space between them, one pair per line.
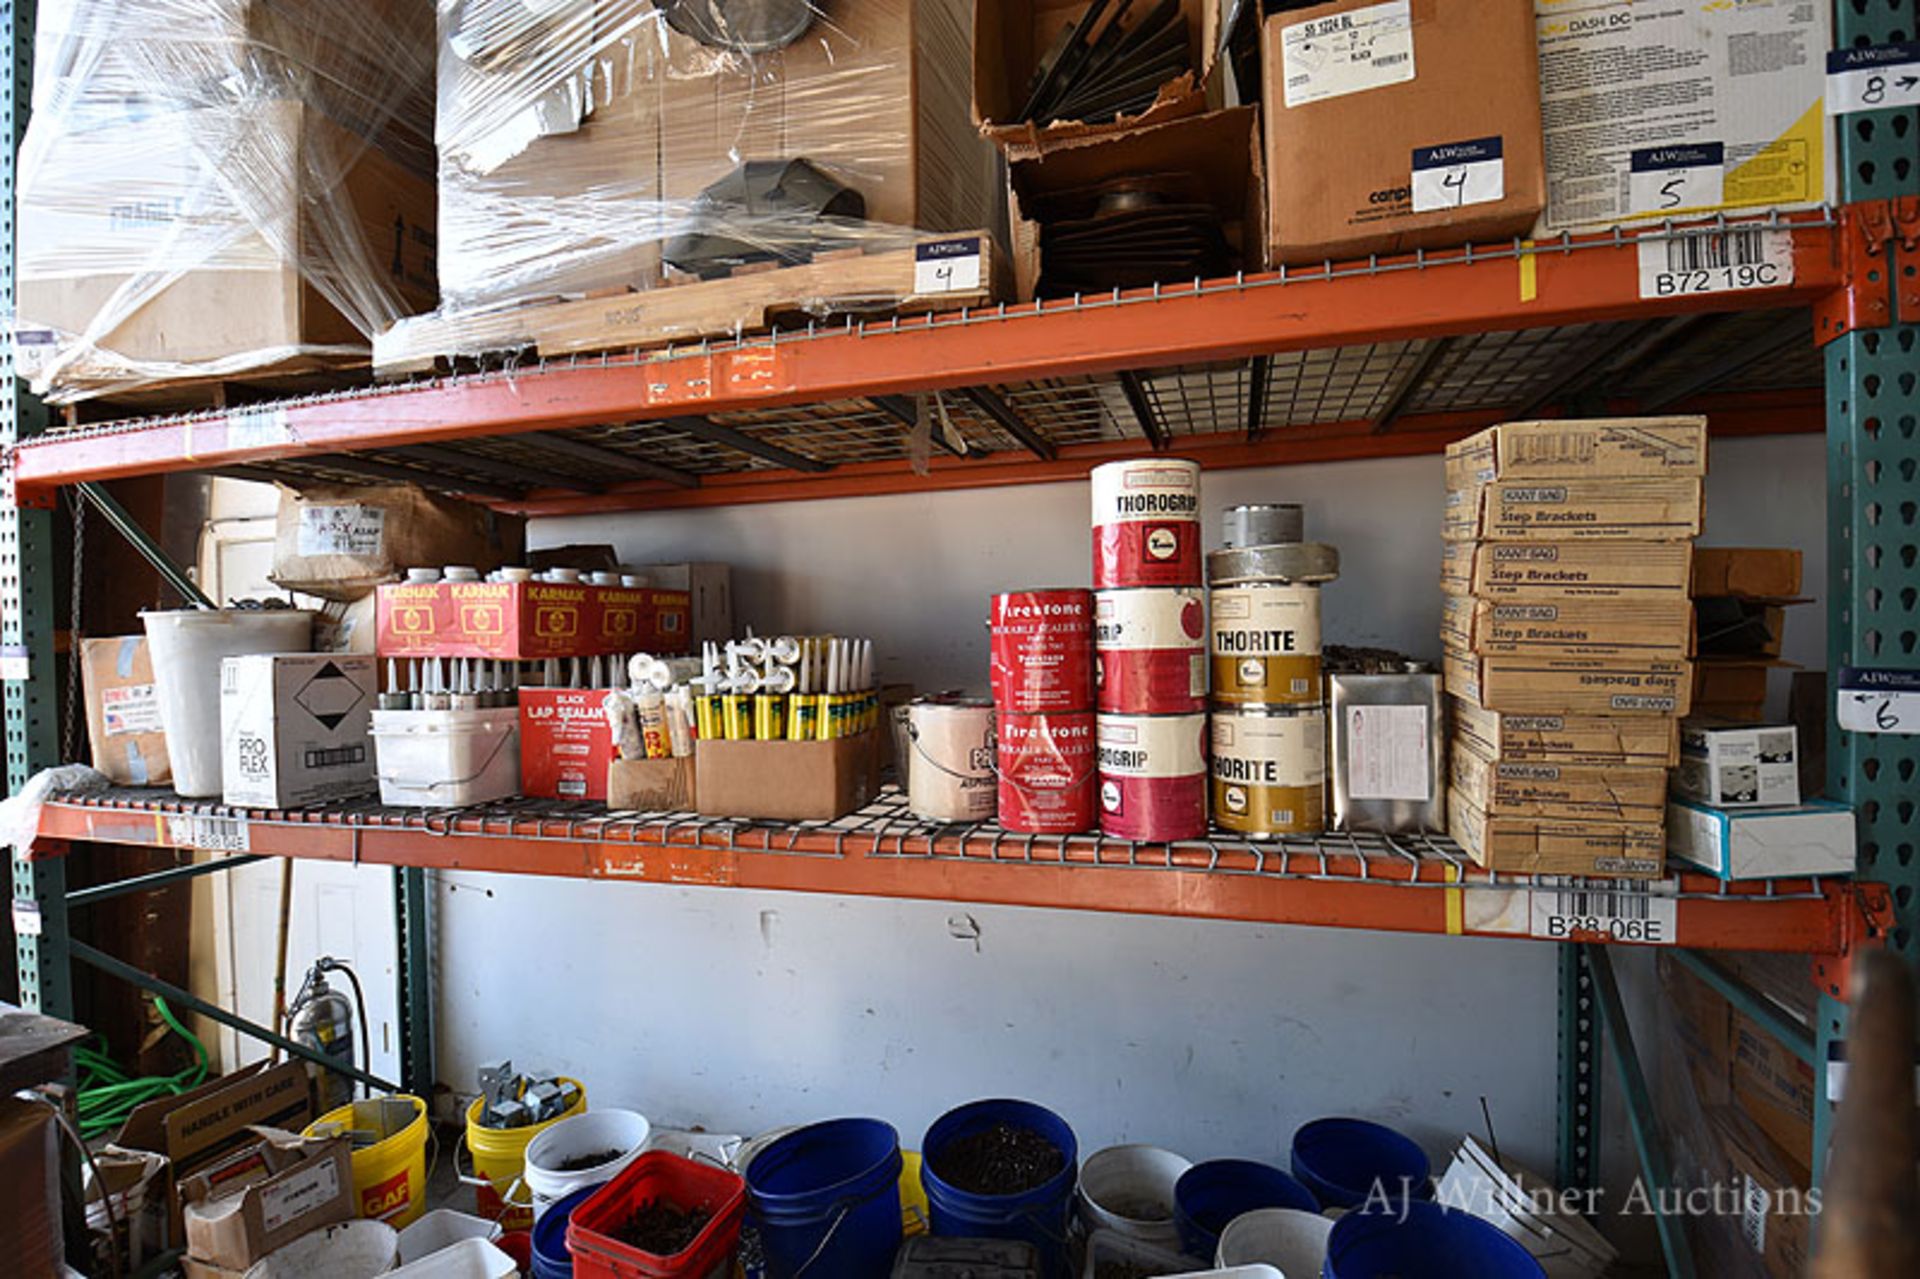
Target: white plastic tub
1110, 1248
468, 1259
443, 1228
1129, 1190
1291, 1241
623, 1131
187, 647
447, 759
348, 1250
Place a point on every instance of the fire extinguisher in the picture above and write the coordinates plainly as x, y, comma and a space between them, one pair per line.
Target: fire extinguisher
321, 1018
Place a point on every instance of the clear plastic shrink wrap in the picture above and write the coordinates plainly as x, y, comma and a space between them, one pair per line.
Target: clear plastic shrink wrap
594, 147
210, 188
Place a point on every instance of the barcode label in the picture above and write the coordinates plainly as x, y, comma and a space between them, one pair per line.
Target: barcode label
1628, 910
1719, 262
214, 834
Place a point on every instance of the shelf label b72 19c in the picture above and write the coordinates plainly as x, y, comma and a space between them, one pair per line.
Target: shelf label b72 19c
1729, 260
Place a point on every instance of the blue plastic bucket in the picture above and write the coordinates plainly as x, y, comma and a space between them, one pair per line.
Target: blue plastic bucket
1423, 1241
1209, 1195
552, 1259
1345, 1161
1039, 1215
825, 1200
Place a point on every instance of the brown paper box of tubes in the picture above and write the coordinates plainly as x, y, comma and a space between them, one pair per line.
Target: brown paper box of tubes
1659, 627
1526, 788
1556, 846
1592, 448
1570, 685
1591, 740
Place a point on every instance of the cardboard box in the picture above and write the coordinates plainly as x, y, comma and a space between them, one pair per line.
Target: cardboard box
565, 743
123, 711
1566, 570
786, 781
1654, 626
1761, 573
1732, 689
1615, 448
709, 588
651, 785
200, 1125
1595, 740
1508, 788
241, 1208
1738, 765
525, 620
572, 150
1010, 38
294, 728
1815, 838
1773, 1088
1701, 1021
1569, 685
1774, 1219
1216, 155
1575, 510
1659, 111
120, 194
1400, 125
32, 1171
339, 542
1549, 846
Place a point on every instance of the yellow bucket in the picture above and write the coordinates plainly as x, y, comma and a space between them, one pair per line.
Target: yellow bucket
390, 1176
913, 1196
500, 1156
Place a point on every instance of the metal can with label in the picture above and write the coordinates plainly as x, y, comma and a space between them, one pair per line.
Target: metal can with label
1266, 645
1153, 777
1046, 773
950, 759
1150, 650
1262, 524
1146, 523
1041, 651
1269, 772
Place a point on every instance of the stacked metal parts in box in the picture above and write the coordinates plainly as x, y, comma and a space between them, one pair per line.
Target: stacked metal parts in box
1269, 727
1568, 632
513, 1100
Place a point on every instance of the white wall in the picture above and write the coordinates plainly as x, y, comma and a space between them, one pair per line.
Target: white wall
743, 1010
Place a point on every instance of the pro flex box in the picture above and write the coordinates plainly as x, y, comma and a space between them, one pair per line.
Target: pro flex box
294, 728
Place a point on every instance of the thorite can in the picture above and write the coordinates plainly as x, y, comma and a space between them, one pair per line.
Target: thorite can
1146, 523
1153, 776
1269, 772
1042, 651
1150, 650
1046, 773
1266, 645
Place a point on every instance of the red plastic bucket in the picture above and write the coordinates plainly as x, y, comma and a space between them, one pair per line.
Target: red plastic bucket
1046, 773
1041, 646
652, 1178
1153, 776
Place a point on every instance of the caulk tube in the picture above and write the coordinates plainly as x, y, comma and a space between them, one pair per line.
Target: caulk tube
623, 719
680, 722
651, 707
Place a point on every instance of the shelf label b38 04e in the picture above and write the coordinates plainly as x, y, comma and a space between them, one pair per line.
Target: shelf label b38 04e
1723, 261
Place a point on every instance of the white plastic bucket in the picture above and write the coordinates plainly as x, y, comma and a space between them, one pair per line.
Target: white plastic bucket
469, 1258
447, 759
442, 1228
624, 1131
1291, 1241
187, 647
348, 1250
1129, 1190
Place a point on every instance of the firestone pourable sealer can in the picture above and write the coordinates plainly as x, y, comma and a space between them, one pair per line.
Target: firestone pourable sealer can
1269, 771
1150, 650
1041, 649
1146, 523
1153, 777
1046, 772
1265, 623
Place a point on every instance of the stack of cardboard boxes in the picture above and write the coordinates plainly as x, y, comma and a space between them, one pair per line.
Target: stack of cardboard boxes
1568, 629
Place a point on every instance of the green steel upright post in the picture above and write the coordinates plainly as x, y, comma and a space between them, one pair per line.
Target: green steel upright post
1873, 404
415, 966
1577, 1163
27, 604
